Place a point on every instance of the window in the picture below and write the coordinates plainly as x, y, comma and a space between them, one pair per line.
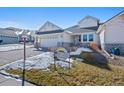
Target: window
84, 37
91, 37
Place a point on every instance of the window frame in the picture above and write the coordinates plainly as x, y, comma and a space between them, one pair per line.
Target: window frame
85, 39
91, 37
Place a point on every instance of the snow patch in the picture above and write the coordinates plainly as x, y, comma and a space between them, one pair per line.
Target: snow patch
42, 61
79, 50
12, 47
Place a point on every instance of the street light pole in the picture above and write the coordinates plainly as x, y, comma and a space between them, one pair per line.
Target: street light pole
23, 74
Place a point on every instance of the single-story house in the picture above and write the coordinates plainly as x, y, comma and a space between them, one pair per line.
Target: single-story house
111, 33
84, 32
108, 35
8, 36
23, 32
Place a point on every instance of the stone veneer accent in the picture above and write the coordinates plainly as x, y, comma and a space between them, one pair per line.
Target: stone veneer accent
109, 46
86, 45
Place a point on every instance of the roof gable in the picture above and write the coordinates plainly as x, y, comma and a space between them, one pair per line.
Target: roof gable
86, 17
88, 21
48, 26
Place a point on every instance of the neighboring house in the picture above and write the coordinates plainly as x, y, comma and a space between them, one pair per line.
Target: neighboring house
8, 36
50, 35
29, 35
14, 35
23, 32
112, 33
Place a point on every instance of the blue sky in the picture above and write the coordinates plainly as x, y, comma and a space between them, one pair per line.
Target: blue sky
34, 17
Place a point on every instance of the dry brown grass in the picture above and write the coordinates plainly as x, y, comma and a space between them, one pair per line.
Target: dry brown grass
89, 72
79, 74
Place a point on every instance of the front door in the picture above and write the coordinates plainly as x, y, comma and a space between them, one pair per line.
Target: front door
77, 39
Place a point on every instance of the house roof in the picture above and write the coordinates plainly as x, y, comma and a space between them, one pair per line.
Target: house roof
25, 32
49, 28
19, 31
122, 12
77, 29
7, 32
50, 32
103, 25
13, 28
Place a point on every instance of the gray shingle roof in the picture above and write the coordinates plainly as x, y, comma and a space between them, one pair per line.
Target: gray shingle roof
7, 32
13, 28
77, 29
122, 12
49, 32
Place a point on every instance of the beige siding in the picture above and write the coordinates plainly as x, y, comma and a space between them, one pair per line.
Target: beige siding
48, 26
115, 30
88, 22
102, 38
67, 37
51, 40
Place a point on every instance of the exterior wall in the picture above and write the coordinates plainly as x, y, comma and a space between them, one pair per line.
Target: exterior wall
88, 22
8, 39
115, 30
102, 38
113, 34
67, 37
52, 40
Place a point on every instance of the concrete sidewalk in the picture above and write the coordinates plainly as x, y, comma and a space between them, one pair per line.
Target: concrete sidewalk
8, 81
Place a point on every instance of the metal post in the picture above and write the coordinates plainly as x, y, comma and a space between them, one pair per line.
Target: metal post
54, 61
69, 59
23, 74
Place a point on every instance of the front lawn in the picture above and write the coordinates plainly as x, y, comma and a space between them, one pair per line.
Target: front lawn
80, 74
